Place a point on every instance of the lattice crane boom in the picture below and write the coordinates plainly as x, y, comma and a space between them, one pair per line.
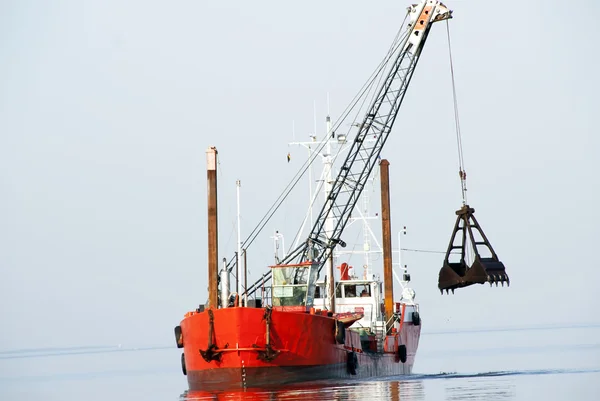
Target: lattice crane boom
363, 155
377, 124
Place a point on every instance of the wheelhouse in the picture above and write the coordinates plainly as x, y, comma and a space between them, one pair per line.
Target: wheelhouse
293, 285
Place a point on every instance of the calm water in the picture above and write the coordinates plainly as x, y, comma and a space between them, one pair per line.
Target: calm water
535, 363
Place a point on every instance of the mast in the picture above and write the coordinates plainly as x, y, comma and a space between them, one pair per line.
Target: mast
377, 123
276, 238
331, 284
386, 230
213, 245
239, 288
366, 236
328, 181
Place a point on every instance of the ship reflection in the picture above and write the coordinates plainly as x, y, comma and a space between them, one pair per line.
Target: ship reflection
328, 390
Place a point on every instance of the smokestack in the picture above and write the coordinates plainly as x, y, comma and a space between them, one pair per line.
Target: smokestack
213, 245
224, 285
386, 230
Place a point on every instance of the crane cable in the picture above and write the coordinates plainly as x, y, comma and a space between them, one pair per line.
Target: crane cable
364, 94
366, 88
399, 40
469, 251
461, 162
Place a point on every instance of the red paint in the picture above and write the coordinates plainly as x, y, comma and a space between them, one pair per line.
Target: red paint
306, 345
344, 271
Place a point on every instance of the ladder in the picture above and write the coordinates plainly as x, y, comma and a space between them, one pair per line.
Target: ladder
380, 333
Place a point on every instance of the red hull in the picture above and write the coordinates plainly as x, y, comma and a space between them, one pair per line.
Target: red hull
306, 346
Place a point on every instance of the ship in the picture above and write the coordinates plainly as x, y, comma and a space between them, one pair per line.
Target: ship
299, 322
256, 347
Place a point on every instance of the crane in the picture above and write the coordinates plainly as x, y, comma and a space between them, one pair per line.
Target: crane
363, 155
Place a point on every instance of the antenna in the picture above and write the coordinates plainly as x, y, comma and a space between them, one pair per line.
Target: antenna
315, 118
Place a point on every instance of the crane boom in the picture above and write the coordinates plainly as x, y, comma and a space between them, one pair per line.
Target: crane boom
363, 155
377, 124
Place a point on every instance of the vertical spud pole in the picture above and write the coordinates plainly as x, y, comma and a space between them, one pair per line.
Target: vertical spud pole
213, 245
386, 230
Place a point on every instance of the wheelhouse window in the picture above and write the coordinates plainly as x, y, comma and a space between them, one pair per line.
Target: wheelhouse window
290, 285
320, 291
349, 291
295, 275
363, 290
289, 295
354, 290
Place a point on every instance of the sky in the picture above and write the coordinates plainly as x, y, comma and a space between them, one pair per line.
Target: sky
107, 108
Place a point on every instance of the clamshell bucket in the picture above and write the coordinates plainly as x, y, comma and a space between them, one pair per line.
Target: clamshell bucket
455, 275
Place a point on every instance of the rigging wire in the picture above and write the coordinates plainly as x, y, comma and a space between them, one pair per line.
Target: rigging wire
461, 161
421, 250
233, 222
469, 248
364, 94
306, 165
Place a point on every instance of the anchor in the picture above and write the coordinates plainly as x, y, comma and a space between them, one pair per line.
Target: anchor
211, 353
269, 353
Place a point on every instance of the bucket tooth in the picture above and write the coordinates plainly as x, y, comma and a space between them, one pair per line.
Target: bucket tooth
458, 274
452, 276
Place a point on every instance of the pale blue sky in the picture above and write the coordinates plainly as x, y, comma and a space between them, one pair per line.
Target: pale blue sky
106, 110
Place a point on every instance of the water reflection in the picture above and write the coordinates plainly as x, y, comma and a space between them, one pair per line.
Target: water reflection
326, 390
486, 386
